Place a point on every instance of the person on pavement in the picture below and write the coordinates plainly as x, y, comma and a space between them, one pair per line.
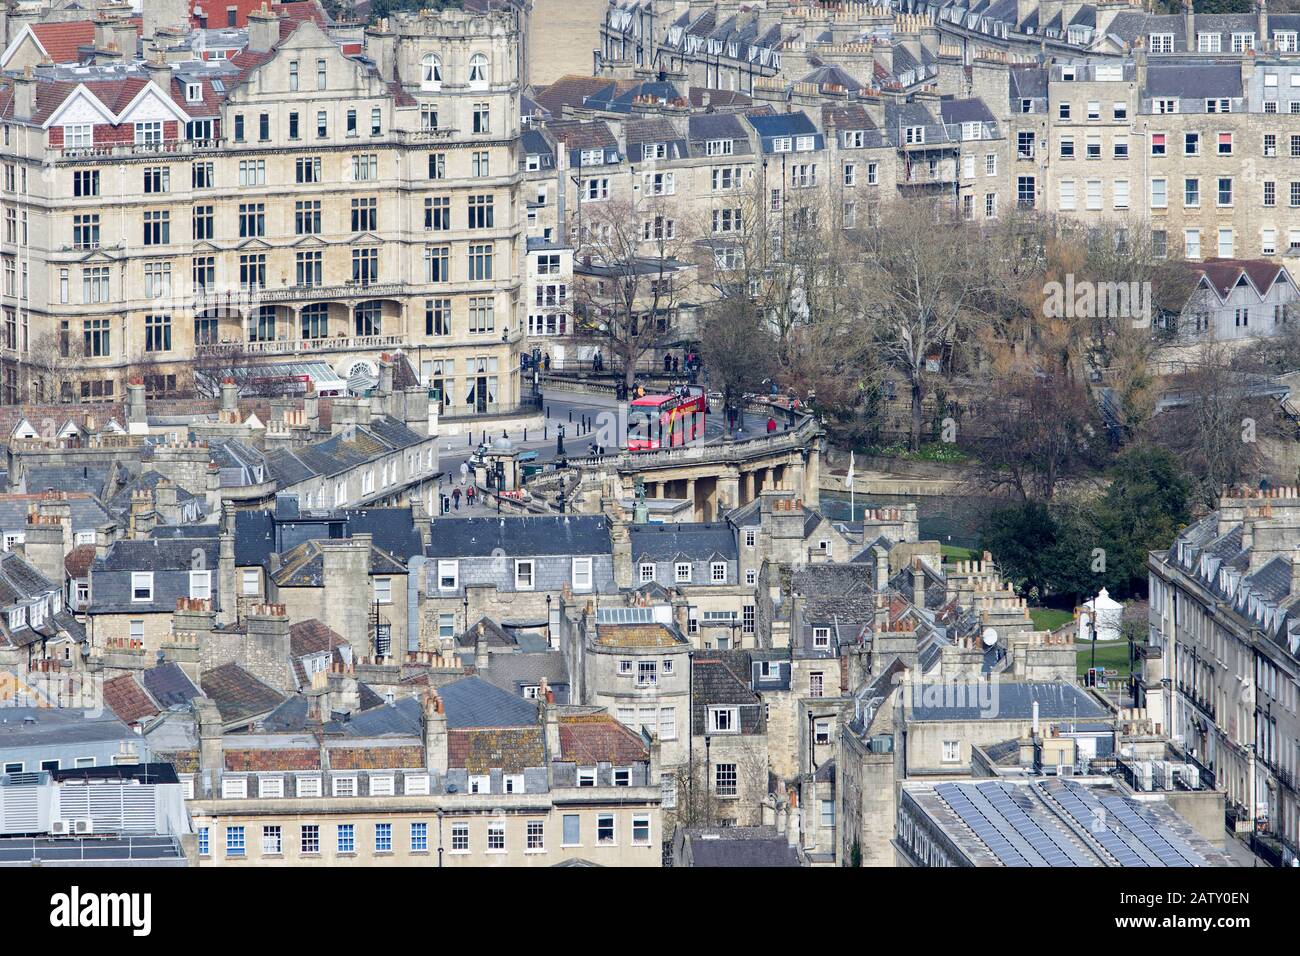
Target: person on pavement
455, 497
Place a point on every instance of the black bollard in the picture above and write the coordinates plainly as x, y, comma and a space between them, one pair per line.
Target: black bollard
571, 416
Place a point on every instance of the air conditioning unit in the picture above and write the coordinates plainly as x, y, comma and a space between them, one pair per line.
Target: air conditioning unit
60, 827
83, 826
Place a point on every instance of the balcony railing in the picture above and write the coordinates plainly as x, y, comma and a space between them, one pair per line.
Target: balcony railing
340, 343
253, 296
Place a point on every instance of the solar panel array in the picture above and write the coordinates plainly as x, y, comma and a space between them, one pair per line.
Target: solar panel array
1003, 825
1127, 832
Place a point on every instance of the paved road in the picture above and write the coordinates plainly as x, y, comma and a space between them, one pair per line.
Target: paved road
577, 441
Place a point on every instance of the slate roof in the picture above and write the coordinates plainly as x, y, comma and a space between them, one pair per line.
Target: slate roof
699, 541
1057, 700
354, 446
966, 111
304, 566
169, 685
170, 560
238, 694
515, 671
835, 592
59, 725
598, 738
782, 124
259, 534
520, 537
714, 683
1204, 80
87, 512
1224, 275
19, 581
759, 846
473, 702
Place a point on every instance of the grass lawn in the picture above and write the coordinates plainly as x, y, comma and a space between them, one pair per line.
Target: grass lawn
952, 552
1049, 618
1110, 656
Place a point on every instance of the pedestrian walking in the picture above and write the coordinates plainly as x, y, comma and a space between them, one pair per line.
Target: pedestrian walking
455, 497
464, 472
771, 424
469, 496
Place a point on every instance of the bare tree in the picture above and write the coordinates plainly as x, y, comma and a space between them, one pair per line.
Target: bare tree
1035, 430
925, 277
634, 273
1216, 421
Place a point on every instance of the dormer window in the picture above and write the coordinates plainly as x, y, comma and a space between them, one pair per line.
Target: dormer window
821, 637
682, 572
1162, 43
430, 72
193, 92
586, 776
654, 151
914, 134
724, 720
718, 572
142, 586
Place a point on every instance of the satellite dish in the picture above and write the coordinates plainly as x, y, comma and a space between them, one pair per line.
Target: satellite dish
990, 637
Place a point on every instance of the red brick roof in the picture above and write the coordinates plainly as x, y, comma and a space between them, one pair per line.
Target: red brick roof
599, 738
1224, 274
376, 758
128, 700
77, 562
62, 40
278, 758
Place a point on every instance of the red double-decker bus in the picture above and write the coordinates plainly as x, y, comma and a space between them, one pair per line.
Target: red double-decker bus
666, 421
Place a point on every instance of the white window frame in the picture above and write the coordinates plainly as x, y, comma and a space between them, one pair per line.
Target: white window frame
443, 566
142, 581
520, 564
724, 720
583, 574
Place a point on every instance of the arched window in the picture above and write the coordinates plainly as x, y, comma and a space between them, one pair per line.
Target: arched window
478, 69
430, 72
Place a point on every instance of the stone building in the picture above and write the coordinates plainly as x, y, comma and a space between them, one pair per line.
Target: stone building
1220, 667
392, 220
470, 776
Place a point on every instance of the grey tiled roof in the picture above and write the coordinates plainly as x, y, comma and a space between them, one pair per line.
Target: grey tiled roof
697, 540
1057, 700
473, 702
19, 581
520, 537
741, 847
169, 685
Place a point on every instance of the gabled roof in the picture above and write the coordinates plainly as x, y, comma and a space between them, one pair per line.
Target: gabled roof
473, 702
129, 701
1224, 275
598, 738
239, 695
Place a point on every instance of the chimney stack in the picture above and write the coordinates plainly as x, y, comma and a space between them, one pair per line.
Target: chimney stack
25, 95
435, 734
263, 30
